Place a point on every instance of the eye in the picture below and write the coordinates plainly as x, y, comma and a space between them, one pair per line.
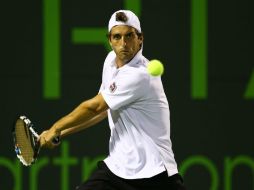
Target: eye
116, 36
129, 35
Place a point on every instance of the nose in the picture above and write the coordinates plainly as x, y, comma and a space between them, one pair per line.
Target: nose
123, 41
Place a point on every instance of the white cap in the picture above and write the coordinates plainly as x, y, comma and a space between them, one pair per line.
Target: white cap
132, 20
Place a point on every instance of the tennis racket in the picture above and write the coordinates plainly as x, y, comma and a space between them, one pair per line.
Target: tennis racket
27, 146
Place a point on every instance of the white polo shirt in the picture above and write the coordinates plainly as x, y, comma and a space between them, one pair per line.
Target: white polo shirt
140, 145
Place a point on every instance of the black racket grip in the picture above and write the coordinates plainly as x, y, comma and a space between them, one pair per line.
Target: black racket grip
56, 140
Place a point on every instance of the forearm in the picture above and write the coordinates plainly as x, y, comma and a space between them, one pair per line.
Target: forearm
85, 125
75, 118
85, 115
80, 115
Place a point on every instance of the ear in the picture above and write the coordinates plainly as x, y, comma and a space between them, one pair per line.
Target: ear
140, 36
141, 39
109, 41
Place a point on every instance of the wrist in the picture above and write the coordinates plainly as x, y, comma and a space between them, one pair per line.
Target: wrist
56, 129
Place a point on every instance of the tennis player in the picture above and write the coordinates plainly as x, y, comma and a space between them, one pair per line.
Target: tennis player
140, 150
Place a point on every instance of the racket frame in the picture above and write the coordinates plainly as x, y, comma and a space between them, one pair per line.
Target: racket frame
33, 136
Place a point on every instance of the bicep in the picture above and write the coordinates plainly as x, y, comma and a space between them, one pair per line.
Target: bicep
97, 104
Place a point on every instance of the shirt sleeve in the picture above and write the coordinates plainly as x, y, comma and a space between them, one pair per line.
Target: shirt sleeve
127, 88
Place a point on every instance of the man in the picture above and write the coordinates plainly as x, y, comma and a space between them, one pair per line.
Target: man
140, 154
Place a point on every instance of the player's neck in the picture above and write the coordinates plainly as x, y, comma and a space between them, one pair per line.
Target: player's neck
120, 63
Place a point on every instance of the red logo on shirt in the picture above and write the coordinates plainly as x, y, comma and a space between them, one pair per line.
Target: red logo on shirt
112, 87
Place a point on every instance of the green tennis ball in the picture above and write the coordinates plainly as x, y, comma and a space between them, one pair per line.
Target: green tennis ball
155, 68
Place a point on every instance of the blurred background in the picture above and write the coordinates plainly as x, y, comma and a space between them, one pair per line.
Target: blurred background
52, 53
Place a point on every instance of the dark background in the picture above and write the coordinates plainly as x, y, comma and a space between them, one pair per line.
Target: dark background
217, 127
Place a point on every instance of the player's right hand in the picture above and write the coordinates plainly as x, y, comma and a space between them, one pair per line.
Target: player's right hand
46, 139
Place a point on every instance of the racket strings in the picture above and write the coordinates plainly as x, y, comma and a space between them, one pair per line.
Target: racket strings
24, 142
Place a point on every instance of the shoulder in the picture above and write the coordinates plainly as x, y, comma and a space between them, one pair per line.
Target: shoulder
138, 70
135, 76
